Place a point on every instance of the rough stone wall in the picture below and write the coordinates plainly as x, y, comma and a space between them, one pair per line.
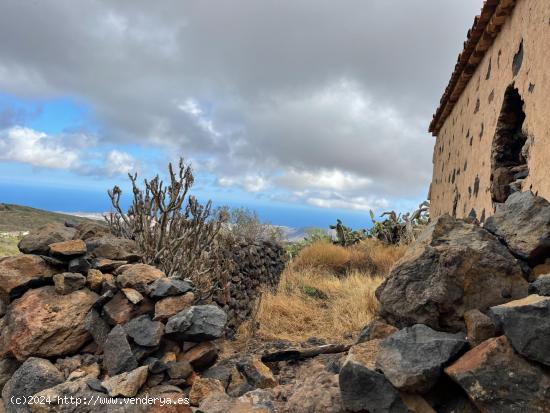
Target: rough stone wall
253, 267
520, 56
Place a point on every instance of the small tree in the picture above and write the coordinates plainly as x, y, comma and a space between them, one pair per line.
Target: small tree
246, 224
172, 229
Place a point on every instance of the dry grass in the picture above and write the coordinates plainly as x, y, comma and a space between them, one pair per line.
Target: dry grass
8, 245
326, 292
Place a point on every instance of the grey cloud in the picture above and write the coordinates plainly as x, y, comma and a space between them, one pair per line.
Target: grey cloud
259, 71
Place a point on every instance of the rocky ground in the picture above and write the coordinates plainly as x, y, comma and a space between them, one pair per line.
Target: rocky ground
464, 326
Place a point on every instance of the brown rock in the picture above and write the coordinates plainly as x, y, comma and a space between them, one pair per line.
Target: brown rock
179, 369
39, 240
202, 388
68, 282
119, 310
96, 278
137, 276
16, 272
257, 374
68, 249
541, 269
479, 327
169, 306
88, 230
107, 265
497, 379
376, 330
201, 356
126, 384
45, 324
416, 403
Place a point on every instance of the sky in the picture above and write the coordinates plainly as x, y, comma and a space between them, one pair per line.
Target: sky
304, 110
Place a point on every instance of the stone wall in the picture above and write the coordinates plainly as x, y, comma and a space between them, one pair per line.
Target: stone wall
253, 267
463, 164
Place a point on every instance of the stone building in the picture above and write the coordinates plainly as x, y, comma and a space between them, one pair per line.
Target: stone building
492, 127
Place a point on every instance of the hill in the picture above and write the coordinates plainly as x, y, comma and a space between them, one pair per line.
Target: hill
23, 218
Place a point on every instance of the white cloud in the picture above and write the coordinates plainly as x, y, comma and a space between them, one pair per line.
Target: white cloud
35, 148
118, 162
251, 183
355, 203
324, 179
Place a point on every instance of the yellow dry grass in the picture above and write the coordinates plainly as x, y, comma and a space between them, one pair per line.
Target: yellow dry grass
326, 292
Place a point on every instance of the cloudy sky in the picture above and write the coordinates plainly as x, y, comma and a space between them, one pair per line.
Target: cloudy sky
303, 109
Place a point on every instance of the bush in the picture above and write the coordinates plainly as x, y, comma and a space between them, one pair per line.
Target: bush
312, 235
171, 228
245, 224
323, 255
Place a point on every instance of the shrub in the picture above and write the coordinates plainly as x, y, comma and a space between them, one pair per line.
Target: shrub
323, 255
246, 224
171, 228
312, 235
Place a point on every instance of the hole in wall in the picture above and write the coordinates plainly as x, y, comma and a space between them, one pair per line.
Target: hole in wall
518, 60
508, 155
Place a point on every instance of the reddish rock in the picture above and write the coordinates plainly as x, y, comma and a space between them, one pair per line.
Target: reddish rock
68, 249
45, 324
126, 384
119, 310
201, 356
137, 276
96, 278
17, 271
169, 306
39, 240
376, 330
132, 295
498, 380
112, 248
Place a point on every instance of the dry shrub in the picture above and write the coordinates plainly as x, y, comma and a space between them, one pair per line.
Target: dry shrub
379, 255
323, 255
295, 312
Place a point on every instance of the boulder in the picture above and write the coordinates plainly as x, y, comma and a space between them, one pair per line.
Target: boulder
453, 267
21, 272
523, 223
257, 374
112, 248
169, 306
541, 286
362, 388
68, 282
198, 323
34, 375
144, 331
68, 249
88, 230
479, 327
45, 324
498, 380
117, 354
526, 323
412, 359
201, 356
374, 330
164, 287
38, 241
137, 276
126, 384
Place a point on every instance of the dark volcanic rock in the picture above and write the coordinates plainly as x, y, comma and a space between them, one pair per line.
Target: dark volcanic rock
453, 267
165, 287
179, 369
526, 323
118, 356
524, 225
97, 327
39, 240
68, 282
413, 358
198, 323
541, 286
498, 380
34, 375
112, 248
7, 368
362, 388
80, 264
144, 331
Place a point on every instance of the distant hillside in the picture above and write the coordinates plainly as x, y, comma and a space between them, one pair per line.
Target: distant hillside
22, 218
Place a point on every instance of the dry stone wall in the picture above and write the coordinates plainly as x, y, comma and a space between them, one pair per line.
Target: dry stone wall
253, 268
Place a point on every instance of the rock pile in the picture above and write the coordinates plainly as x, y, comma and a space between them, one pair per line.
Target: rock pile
474, 333
80, 316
